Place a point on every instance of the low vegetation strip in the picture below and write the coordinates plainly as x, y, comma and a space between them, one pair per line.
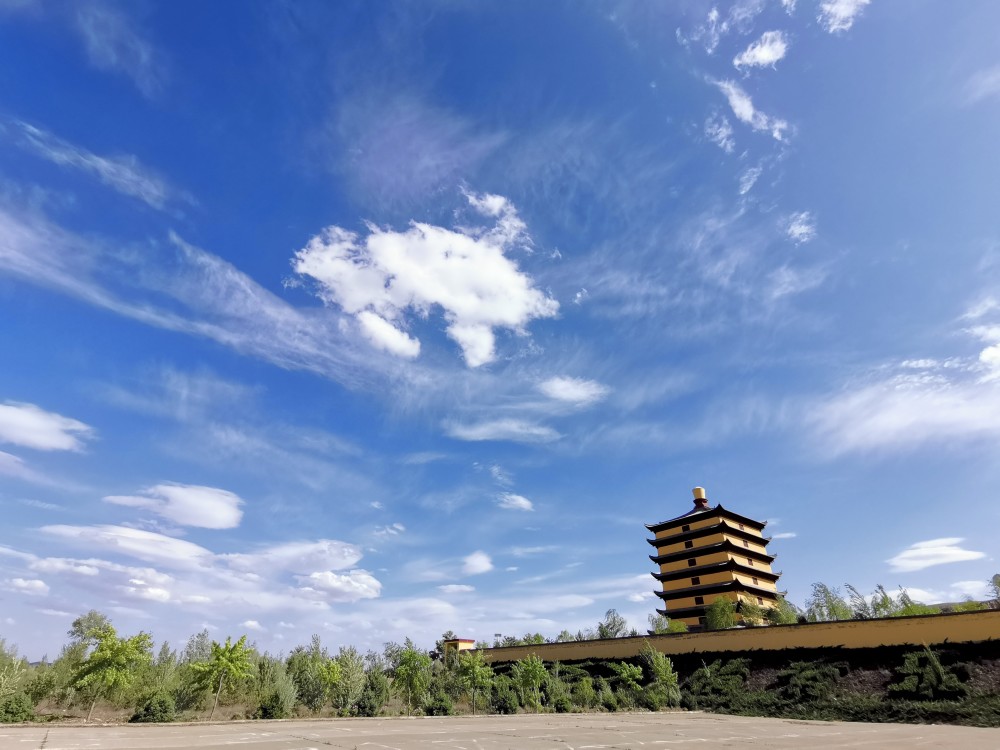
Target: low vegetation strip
107, 676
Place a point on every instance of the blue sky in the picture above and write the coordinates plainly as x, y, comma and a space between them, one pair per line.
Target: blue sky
380, 320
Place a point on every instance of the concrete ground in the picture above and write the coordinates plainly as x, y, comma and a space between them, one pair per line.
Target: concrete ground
523, 732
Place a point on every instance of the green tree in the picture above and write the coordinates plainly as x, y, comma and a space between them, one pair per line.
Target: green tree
529, 673
86, 628
663, 688
721, 614
113, 664
412, 676
995, 591
752, 614
307, 666
783, 613
231, 662
826, 604
660, 625
476, 674
12, 670
198, 648
346, 680
612, 626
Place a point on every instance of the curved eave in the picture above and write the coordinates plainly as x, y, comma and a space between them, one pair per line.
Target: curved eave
720, 567
711, 549
719, 528
718, 510
717, 588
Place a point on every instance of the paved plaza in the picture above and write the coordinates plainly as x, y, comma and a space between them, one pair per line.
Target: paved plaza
551, 732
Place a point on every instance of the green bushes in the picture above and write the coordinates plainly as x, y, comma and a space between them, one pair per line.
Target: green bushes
158, 708
16, 708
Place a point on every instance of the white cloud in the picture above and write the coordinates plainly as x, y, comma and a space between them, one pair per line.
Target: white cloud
188, 505
456, 588
839, 15
983, 84
972, 589
31, 427
500, 476
510, 501
122, 173
476, 563
324, 554
910, 408
252, 625
286, 625
515, 430
31, 586
527, 551
347, 587
785, 281
390, 530
12, 466
720, 132
932, 552
385, 336
464, 272
768, 50
749, 178
784, 535
55, 613
142, 545
743, 108
62, 565
800, 227
789, 6
113, 44
179, 287
574, 390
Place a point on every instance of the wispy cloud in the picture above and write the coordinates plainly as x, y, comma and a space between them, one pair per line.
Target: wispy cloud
930, 553
113, 43
743, 107
187, 505
122, 173
30, 426
749, 178
765, 52
800, 227
983, 84
515, 430
577, 391
510, 501
839, 15
720, 132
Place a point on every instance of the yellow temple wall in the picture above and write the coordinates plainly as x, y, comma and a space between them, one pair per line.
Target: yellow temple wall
923, 630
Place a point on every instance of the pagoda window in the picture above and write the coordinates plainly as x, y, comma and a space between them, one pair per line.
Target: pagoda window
742, 527
760, 600
696, 581
688, 545
685, 528
754, 581
699, 600
746, 544
692, 562
749, 562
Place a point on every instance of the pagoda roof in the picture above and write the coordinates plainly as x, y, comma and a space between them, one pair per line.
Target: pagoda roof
718, 567
718, 528
716, 588
698, 511
725, 546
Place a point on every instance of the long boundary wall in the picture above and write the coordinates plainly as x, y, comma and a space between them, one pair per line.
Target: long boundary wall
921, 630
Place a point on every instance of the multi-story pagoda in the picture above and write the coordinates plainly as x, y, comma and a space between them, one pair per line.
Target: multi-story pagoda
710, 553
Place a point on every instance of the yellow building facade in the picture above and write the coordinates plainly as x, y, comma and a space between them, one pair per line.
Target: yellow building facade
710, 553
